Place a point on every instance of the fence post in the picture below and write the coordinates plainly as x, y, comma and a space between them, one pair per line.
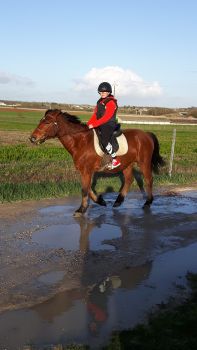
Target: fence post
172, 152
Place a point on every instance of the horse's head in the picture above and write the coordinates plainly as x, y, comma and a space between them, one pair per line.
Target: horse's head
47, 127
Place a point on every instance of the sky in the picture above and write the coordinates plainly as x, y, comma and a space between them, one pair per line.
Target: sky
61, 50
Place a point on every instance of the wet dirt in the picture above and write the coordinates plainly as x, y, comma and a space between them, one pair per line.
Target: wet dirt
66, 279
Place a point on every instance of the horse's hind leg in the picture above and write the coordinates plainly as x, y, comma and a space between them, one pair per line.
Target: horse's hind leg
128, 179
138, 178
97, 199
147, 173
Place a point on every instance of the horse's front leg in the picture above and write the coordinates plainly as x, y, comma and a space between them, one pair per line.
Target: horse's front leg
85, 184
128, 179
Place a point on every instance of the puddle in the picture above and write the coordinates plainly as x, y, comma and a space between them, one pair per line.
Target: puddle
99, 235
116, 265
190, 193
68, 237
51, 277
118, 302
177, 204
55, 209
58, 236
58, 209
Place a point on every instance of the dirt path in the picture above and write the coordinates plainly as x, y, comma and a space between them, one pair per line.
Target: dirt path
63, 274
30, 232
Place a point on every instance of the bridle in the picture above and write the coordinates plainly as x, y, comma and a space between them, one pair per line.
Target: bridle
49, 126
54, 123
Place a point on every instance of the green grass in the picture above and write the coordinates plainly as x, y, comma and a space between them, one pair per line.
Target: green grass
25, 120
23, 153
46, 189
29, 172
22, 120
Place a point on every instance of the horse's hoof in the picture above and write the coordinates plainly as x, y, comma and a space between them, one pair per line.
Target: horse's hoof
146, 206
101, 201
80, 211
148, 203
119, 201
116, 205
146, 209
77, 214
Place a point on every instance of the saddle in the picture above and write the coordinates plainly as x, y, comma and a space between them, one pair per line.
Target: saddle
118, 141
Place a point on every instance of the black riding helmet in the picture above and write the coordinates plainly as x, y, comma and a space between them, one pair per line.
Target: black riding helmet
105, 87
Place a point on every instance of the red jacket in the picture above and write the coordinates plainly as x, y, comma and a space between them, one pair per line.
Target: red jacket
110, 110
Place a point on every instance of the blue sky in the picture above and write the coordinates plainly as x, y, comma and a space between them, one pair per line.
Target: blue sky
59, 51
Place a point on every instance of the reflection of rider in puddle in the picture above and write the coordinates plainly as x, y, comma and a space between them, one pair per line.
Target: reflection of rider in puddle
97, 299
97, 278
97, 307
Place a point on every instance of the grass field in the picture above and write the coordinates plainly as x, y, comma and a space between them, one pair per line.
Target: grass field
25, 120
45, 171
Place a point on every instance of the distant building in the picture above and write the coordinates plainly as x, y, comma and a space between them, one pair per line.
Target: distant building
3, 104
140, 111
183, 113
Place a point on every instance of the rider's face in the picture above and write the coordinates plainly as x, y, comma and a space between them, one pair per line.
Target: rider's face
104, 94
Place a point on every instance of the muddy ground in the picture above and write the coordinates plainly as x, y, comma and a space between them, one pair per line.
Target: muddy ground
46, 254
30, 232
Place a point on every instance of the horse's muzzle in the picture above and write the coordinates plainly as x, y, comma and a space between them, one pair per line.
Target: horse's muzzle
36, 140
32, 139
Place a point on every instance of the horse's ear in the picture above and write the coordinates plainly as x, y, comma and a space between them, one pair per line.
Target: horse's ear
48, 110
53, 111
56, 112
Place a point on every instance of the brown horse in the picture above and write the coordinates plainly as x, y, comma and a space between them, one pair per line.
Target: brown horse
78, 139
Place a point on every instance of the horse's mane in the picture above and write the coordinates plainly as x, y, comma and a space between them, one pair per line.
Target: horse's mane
68, 117
72, 118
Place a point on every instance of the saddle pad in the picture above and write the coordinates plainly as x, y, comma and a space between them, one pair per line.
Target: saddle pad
122, 142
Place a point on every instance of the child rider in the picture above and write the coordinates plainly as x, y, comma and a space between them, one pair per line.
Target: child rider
104, 118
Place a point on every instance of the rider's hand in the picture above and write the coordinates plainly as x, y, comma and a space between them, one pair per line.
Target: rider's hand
90, 126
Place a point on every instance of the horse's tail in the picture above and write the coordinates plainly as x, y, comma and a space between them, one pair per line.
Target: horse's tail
157, 160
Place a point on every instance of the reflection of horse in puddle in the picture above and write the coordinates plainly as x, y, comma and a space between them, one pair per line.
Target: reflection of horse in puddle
128, 278
96, 298
100, 277
121, 226
86, 226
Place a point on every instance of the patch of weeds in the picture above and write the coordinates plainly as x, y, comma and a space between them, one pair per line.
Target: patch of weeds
169, 329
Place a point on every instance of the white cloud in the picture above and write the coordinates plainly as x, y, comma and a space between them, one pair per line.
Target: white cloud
9, 78
127, 82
